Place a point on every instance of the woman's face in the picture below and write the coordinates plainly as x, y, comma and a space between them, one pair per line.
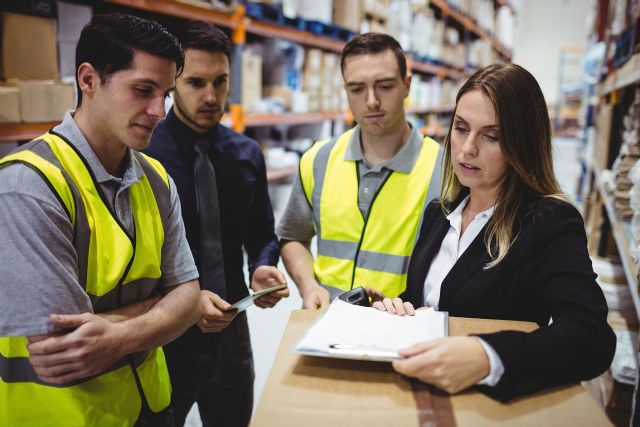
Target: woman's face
476, 157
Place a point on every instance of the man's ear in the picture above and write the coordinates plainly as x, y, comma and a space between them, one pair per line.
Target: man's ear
407, 84
88, 79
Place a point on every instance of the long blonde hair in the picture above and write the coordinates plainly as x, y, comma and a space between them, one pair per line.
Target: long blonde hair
525, 141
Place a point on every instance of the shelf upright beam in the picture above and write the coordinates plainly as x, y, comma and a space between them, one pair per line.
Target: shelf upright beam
238, 39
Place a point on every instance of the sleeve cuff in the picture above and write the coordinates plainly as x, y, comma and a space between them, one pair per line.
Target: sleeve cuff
496, 368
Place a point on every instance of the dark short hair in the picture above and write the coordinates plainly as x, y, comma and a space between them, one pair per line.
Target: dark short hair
203, 36
109, 42
372, 43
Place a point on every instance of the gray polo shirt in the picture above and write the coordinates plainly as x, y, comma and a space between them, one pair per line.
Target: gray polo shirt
297, 220
39, 271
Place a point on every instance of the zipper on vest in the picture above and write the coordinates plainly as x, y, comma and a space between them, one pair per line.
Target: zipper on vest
366, 221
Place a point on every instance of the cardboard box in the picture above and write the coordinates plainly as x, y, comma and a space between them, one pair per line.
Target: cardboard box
314, 10
313, 60
45, 101
282, 92
314, 100
376, 26
29, 50
251, 79
299, 101
378, 9
613, 397
9, 105
311, 81
330, 65
316, 391
348, 14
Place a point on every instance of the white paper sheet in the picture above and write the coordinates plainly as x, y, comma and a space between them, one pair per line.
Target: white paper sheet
354, 332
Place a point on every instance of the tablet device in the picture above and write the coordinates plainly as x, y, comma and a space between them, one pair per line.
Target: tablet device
247, 302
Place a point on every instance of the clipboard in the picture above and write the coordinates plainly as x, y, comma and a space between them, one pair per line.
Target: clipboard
248, 301
343, 332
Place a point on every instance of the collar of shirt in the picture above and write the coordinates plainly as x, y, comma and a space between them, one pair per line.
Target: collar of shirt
70, 130
402, 162
455, 217
188, 137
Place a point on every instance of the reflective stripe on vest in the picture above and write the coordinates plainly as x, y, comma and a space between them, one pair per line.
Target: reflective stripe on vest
372, 251
115, 269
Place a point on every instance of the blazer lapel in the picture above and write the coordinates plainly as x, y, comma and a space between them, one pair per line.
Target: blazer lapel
428, 244
470, 263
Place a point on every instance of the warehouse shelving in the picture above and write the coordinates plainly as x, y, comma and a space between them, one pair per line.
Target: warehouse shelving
621, 231
626, 75
10, 132
471, 26
619, 79
237, 21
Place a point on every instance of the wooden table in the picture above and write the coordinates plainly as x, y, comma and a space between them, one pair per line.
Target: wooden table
306, 391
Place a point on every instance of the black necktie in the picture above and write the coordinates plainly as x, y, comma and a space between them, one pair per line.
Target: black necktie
211, 260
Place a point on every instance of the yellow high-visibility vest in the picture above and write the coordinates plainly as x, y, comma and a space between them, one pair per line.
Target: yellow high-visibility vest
374, 251
116, 269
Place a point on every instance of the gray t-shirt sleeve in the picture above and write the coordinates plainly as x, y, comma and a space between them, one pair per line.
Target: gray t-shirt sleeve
297, 220
39, 270
177, 260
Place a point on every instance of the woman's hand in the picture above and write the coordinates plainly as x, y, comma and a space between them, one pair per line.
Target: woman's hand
394, 306
374, 294
451, 363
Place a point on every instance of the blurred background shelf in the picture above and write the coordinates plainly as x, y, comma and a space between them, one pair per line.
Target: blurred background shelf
10, 132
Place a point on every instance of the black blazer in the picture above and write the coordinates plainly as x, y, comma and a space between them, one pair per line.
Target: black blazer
546, 274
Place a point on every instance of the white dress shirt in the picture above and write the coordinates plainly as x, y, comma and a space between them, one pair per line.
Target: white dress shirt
452, 247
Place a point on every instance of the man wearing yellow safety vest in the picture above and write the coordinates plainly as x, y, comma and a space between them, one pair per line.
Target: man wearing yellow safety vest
363, 193
96, 272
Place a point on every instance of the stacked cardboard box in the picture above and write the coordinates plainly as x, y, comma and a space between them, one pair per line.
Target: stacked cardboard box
29, 48
29, 65
348, 14
322, 81
311, 10
9, 105
312, 78
376, 13
251, 79
45, 101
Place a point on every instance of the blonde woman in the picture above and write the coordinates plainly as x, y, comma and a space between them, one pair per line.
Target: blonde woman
503, 242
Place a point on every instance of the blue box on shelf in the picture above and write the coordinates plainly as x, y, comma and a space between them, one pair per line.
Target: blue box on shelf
297, 23
265, 12
316, 27
624, 48
328, 30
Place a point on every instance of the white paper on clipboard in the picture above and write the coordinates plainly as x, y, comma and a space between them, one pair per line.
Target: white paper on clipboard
353, 332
